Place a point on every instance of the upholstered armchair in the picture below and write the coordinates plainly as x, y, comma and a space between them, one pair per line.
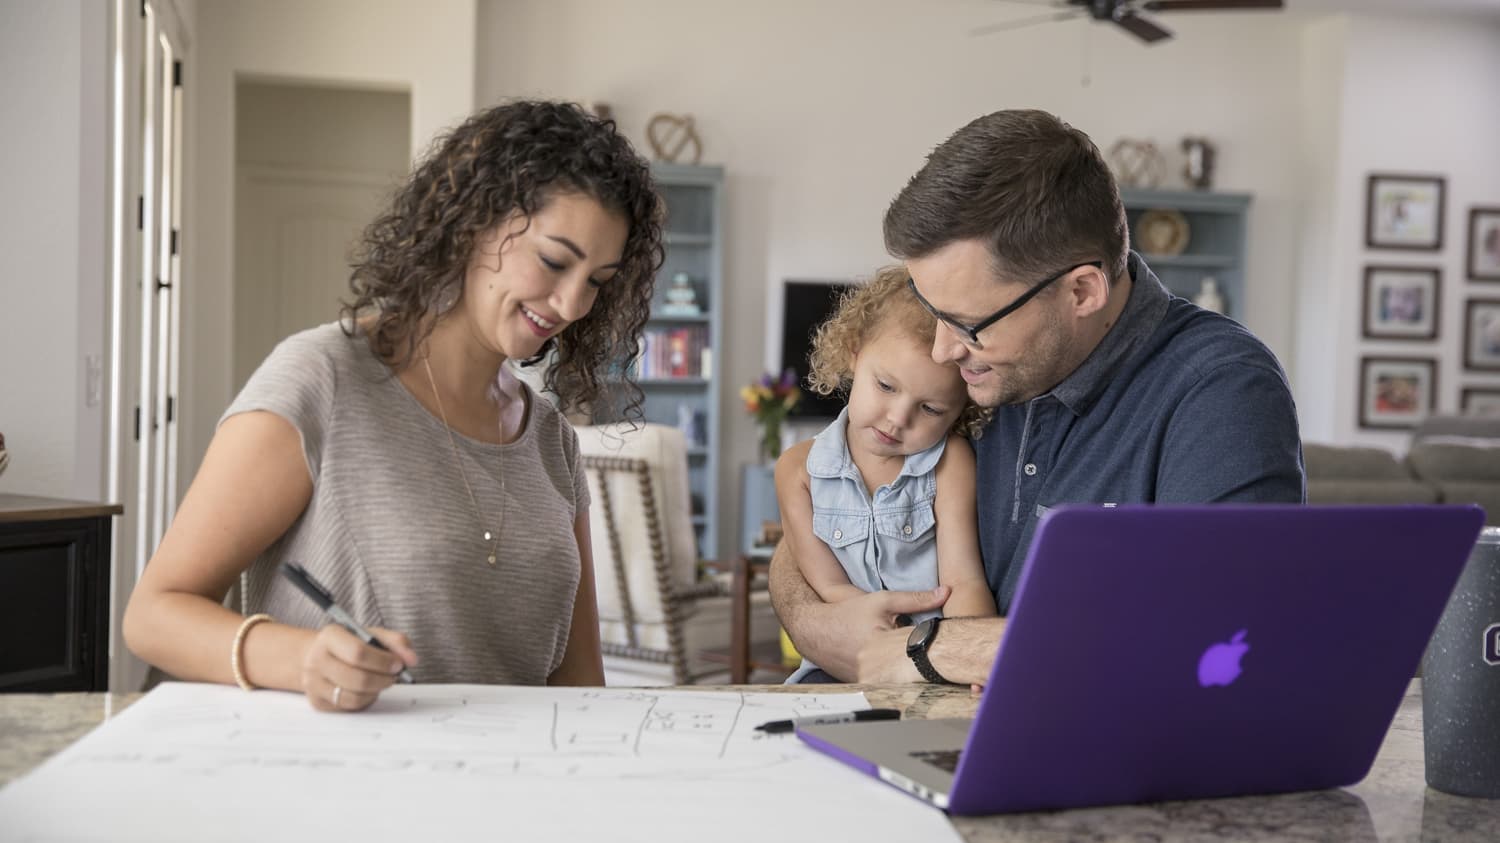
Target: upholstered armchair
652, 605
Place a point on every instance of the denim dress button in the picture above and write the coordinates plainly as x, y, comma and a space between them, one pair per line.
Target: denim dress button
1030, 469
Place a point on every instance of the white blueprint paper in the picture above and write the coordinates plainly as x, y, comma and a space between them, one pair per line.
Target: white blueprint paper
459, 762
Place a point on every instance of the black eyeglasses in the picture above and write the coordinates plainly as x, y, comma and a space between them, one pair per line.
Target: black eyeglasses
970, 333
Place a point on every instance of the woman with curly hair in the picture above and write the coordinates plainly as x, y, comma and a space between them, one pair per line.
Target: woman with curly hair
883, 498
398, 459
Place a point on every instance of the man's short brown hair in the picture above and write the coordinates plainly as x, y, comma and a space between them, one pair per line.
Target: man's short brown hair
1035, 190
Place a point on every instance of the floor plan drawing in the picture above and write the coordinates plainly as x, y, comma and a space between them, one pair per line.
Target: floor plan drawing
482, 762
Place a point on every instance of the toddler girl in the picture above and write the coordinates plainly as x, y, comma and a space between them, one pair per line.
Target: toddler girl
883, 498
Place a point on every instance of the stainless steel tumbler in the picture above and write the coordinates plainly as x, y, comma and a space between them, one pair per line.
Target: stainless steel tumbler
1461, 681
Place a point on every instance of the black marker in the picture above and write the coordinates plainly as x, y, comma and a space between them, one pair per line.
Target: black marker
319, 595
778, 726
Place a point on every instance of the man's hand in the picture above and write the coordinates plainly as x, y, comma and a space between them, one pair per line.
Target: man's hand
859, 622
883, 659
879, 611
831, 634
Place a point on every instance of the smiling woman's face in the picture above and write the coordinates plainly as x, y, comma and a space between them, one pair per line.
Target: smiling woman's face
529, 279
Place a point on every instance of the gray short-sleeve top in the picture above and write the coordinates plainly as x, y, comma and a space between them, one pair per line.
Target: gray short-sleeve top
390, 528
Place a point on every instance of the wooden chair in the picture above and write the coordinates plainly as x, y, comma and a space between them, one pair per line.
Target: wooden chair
645, 551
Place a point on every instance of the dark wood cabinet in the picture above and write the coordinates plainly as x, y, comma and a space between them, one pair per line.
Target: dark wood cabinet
54, 594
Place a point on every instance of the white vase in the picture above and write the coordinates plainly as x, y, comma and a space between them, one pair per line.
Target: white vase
1209, 297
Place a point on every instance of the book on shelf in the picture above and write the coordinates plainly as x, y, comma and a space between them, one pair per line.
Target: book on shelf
677, 354
667, 353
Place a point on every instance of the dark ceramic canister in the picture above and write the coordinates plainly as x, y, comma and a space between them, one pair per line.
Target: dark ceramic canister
1461, 681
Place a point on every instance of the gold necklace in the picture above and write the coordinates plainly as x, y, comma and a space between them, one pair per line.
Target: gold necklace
492, 538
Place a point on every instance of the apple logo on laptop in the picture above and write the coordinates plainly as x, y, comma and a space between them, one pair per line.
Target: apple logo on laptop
1220, 664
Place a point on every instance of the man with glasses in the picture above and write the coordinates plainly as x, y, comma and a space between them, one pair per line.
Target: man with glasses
1107, 389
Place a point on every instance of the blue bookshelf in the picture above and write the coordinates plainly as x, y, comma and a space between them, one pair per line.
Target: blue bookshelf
1215, 247
694, 245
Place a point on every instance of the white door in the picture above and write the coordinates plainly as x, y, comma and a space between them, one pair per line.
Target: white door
294, 231
147, 104
314, 164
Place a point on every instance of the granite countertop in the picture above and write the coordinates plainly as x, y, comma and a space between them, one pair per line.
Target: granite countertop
1392, 803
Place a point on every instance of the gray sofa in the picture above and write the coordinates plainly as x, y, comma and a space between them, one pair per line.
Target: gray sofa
1452, 459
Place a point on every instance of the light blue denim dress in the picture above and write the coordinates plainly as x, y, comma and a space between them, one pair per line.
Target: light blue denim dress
885, 543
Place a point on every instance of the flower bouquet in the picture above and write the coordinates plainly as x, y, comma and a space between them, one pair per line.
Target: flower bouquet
769, 400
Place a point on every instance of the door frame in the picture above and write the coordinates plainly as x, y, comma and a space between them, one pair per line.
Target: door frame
149, 51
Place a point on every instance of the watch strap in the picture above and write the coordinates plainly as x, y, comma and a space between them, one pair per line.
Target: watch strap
924, 665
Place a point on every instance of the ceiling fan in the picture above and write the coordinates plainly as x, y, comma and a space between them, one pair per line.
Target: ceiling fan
1127, 14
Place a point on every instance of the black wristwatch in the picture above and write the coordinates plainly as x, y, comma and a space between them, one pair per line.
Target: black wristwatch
918, 643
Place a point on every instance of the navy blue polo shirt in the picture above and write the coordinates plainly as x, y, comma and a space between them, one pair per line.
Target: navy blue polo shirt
1176, 405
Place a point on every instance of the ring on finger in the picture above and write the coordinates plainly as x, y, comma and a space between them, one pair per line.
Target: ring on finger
337, 692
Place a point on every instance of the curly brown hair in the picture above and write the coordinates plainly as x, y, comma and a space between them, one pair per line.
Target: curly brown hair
863, 310
512, 159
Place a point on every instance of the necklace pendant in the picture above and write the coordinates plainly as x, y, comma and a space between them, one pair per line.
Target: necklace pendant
492, 560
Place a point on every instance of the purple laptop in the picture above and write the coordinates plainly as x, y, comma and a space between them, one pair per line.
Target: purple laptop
1165, 652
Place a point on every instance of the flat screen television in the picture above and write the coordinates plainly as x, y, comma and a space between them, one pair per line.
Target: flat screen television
804, 306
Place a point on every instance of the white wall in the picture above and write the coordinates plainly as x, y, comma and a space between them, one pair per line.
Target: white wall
52, 234
426, 49
319, 127
1418, 96
1322, 113
821, 111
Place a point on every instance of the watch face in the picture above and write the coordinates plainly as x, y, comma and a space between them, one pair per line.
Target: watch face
920, 634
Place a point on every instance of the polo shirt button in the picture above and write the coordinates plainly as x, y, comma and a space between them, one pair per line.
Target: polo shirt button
906, 529
1030, 469
838, 534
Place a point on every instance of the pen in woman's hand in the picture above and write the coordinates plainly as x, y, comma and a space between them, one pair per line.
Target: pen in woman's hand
321, 596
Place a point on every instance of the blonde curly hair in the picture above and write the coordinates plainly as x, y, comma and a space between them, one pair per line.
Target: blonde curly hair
862, 311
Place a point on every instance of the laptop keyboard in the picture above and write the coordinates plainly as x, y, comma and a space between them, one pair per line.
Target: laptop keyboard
943, 759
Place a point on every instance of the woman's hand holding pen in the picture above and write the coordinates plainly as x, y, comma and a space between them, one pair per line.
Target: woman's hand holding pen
342, 673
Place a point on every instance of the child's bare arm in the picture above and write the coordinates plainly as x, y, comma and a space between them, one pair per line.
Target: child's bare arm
819, 566
959, 565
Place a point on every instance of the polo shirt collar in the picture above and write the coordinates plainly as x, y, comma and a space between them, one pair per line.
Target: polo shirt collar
1143, 312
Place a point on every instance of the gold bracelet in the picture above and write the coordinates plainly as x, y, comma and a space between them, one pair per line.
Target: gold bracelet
235, 649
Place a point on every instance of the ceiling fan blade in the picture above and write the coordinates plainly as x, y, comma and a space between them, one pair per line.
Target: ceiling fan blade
1142, 28
1208, 5
1024, 22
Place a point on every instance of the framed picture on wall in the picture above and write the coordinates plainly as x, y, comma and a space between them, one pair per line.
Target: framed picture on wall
1484, 244
1404, 212
1482, 334
1481, 401
1396, 392
1402, 302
